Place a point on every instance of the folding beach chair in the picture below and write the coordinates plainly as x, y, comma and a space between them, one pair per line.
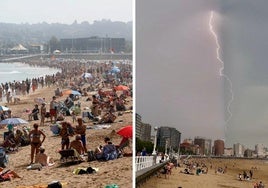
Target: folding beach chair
120, 148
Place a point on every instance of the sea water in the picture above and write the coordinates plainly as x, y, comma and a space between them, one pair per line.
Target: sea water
20, 71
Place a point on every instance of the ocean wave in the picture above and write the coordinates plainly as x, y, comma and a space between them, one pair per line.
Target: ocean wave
11, 72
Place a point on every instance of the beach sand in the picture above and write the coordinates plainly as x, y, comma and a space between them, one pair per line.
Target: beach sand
212, 179
118, 171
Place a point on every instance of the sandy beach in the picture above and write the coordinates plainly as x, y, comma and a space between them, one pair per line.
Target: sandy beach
212, 179
117, 171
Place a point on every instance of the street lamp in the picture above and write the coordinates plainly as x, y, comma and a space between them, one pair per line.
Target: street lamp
166, 146
155, 137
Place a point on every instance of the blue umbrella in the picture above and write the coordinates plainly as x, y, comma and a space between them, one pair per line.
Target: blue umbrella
75, 92
70, 91
115, 70
13, 121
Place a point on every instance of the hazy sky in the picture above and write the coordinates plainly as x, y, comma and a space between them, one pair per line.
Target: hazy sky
178, 80
64, 11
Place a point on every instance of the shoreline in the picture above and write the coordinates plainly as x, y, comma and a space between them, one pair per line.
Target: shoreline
47, 70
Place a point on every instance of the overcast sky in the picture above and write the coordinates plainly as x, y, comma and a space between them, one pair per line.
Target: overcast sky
64, 11
178, 80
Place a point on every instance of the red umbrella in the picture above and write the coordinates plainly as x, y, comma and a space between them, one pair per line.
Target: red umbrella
126, 131
121, 88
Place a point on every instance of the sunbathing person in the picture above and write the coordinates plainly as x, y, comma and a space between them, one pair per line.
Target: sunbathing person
43, 159
18, 137
187, 171
10, 143
35, 140
119, 103
34, 114
77, 145
108, 151
109, 117
9, 173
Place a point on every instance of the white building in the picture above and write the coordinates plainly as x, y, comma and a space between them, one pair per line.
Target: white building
260, 150
228, 152
239, 150
138, 126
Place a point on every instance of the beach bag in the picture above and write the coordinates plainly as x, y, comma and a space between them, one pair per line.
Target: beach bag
91, 156
3, 157
54, 184
91, 170
55, 129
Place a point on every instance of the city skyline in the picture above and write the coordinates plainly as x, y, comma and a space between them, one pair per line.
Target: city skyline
192, 137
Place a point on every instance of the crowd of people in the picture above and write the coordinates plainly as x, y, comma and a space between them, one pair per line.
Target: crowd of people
104, 105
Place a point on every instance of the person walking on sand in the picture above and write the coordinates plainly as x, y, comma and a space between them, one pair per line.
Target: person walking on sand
250, 174
53, 109
81, 129
77, 145
95, 106
43, 114
35, 140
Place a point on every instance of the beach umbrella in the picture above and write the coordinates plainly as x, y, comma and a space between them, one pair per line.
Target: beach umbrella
115, 69
126, 131
13, 121
3, 108
87, 75
121, 88
70, 91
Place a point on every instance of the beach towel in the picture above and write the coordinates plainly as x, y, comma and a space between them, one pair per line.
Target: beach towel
35, 166
112, 186
88, 170
97, 127
6, 176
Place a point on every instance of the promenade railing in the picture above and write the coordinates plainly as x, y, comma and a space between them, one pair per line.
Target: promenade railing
147, 166
142, 162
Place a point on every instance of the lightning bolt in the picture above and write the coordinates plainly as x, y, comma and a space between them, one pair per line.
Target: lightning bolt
228, 108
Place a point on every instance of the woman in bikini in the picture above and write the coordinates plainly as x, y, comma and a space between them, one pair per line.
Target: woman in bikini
81, 129
65, 132
35, 140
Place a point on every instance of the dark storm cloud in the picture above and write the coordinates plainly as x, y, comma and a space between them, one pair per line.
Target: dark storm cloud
177, 73
243, 35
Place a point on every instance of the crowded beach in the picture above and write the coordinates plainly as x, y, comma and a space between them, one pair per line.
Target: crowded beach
211, 173
73, 128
